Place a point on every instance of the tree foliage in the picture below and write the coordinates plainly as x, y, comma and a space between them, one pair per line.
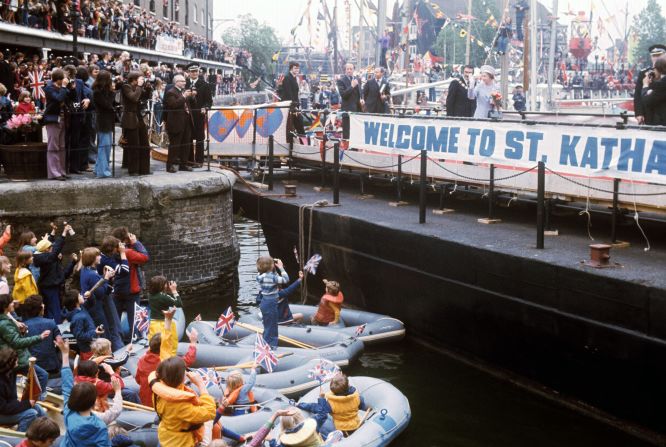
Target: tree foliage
258, 38
650, 28
450, 45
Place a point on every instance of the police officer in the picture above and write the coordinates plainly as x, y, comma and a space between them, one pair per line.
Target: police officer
201, 99
656, 51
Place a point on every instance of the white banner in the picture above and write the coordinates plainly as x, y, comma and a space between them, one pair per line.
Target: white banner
168, 44
597, 152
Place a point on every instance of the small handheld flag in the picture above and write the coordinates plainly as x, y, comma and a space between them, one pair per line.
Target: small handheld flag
360, 329
225, 323
141, 320
263, 354
209, 376
324, 371
312, 264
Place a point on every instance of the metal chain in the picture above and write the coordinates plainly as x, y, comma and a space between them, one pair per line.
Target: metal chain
484, 179
379, 167
601, 189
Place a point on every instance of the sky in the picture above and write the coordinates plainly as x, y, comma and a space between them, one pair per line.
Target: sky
283, 15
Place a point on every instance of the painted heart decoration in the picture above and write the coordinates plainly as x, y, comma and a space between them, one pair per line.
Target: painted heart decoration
268, 121
221, 124
244, 123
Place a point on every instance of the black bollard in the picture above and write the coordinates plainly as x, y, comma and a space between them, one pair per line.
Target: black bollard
541, 188
399, 182
270, 162
113, 152
422, 186
323, 162
336, 174
491, 193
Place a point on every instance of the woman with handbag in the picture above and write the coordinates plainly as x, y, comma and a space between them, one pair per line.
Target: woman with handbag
483, 90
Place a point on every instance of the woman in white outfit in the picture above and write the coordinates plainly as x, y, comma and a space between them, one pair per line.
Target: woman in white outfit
482, 90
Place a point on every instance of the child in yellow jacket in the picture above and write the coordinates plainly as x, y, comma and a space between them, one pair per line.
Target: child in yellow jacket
24, 282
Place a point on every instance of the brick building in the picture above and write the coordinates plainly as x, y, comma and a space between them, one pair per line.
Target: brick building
192, 14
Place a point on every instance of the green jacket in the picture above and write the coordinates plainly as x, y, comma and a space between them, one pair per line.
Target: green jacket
10, 337
162, 301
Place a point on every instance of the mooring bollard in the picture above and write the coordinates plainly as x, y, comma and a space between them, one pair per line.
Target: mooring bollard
541, 193
616, 191
422, 187
336, 174
399, 180
323, 162
270, 162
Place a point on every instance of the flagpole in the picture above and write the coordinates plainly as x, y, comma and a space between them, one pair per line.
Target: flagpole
133, 324
551, 54
533, 55
469, 30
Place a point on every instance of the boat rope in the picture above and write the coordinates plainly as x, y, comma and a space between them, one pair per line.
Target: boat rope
256, 404
586, 211
638, 224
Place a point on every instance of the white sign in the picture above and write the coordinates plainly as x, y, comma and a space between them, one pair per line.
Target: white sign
600, 152
168, 44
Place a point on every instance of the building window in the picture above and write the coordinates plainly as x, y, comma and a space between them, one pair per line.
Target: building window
152, 5
187, 12
165, 9
203, 18
137, 2
194, 13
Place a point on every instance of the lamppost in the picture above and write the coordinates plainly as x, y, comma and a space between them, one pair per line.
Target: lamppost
75, 28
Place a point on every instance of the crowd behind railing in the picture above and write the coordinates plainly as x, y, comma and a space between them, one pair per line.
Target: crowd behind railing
116, 22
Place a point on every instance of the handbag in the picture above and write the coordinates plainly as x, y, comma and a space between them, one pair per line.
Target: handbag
494, 114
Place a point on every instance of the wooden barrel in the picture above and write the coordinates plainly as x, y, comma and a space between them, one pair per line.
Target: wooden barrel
24, 161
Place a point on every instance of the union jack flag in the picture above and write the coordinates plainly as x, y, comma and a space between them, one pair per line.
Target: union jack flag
141, 320
209, 376
197, 318
37, 84
225, 323
312, 264
263, 354
324, 371
360, 329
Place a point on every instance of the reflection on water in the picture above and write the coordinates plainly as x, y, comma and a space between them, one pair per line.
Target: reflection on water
453, 404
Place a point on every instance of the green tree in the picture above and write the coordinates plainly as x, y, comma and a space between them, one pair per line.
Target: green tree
650, 28
258, 38
452, 46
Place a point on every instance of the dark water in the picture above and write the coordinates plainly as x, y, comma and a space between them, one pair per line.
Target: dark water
453, 404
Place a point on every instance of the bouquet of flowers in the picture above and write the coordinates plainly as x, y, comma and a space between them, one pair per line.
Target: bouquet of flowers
24, 123
496, 98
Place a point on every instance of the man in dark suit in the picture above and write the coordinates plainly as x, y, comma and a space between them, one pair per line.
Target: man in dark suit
457, 102
288, 91
202, 99
350, 92
178, 118
376, 93
656, 51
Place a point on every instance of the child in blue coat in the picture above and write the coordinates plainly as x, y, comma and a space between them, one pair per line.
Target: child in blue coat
271, 275
81, 324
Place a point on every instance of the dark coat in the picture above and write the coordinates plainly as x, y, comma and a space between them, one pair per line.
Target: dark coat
8, 399
106, 116
51, 273
654, 103
48, 356
351, 96
131, 97
638, 93
6, 76
55, 101
289, 89
204, 97
82, 327
372, 96
177, 116
457, 102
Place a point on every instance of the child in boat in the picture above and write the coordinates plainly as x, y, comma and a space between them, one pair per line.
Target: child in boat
102, 354
284, 312
328, 312
5, 238
80, 323
120, 437
24, 282
13, 411
271, 275
5, 269
182, 413
85, 427
42, 433
48, 357
342, 403
88, 372
159, 348
163, 296
240, 393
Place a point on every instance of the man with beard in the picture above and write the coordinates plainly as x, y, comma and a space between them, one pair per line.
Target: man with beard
202, 99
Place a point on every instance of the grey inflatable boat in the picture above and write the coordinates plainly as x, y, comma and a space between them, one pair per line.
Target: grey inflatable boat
388, 415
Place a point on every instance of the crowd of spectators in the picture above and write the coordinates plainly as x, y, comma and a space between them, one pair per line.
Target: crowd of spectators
116, 22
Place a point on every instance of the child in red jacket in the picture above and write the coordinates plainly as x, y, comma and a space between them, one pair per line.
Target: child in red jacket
87, 371
41, 433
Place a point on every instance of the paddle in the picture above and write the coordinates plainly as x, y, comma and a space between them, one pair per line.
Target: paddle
126, 404
298, 344
247, 365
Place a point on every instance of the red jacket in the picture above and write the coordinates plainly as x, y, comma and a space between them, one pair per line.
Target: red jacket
103, 389
135, 258
147, 364
25, 108
6, 237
